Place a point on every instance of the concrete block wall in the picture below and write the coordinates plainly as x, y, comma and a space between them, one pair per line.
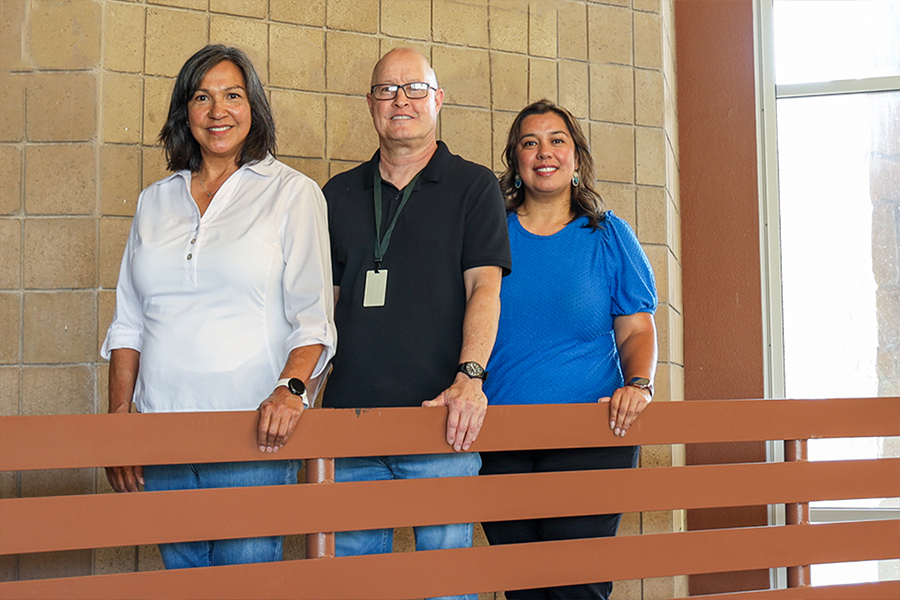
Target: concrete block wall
84, 88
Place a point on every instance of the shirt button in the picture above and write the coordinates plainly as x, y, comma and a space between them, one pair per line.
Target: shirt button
193, 240
189, 256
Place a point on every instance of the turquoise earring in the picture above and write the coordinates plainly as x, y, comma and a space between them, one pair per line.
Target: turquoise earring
517, 182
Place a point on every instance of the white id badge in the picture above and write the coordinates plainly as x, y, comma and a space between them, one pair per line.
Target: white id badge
376, 287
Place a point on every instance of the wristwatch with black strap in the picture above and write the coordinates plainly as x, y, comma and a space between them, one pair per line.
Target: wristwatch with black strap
473, 370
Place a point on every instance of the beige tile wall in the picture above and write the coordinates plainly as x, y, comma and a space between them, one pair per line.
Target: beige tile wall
84, 87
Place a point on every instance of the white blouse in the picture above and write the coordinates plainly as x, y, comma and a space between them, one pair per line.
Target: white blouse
215, 304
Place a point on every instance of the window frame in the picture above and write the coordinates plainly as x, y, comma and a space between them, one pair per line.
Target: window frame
767, 95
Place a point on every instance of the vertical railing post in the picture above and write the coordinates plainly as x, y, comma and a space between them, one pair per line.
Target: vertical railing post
797, 513
320, 545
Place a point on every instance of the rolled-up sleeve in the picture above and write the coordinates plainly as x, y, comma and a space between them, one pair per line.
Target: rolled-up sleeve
127, 328
308, 293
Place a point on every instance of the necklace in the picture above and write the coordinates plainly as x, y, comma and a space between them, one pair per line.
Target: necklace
208, 193
223, 177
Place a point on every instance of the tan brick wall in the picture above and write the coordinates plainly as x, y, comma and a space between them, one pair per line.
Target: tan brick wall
84, 88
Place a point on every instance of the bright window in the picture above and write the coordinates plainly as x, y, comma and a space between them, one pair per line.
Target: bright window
831, 72
830, 40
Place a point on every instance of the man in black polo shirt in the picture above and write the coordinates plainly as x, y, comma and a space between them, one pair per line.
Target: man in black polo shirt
418, 299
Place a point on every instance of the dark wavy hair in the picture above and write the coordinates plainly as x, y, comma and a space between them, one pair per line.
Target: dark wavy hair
182, 150
586, 201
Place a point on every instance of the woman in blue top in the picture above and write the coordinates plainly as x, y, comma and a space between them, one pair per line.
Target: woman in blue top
577, 318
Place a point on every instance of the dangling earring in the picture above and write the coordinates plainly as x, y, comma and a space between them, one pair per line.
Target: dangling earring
575, 179
517, 182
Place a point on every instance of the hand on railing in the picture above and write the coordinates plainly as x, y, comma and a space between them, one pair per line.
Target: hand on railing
626, 405
467, 404
278, 417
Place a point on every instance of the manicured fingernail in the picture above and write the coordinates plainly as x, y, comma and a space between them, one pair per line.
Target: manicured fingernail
262, 448
612, 424
618, 431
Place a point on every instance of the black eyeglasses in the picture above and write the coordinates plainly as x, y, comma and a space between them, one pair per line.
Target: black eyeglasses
413, 90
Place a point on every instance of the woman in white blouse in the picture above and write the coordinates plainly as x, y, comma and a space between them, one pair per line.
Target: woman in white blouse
224, 299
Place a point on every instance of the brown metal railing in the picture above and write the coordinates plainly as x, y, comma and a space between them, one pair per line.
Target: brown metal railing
797, 513
107, 520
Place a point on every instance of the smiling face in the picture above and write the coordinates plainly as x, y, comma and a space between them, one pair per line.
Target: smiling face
403, 121
219, 112
546, 157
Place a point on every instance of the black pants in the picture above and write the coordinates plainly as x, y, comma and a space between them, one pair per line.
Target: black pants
561, 528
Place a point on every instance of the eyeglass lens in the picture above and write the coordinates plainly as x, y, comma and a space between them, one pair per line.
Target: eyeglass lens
413, 90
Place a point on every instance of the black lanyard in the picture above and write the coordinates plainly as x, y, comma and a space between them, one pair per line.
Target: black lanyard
381, 245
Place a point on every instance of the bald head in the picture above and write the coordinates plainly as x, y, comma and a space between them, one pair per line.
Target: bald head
406, 57
404, 124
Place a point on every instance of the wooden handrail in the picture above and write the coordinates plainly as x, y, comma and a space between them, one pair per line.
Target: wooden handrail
72, 522
517, 566
93, 521
114, 440
883, 590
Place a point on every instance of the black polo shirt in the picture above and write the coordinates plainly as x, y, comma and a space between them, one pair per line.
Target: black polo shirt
407, 351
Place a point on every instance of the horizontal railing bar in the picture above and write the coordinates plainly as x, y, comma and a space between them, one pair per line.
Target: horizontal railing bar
835, 514
881, 590
104, 520
486, 569
111, 440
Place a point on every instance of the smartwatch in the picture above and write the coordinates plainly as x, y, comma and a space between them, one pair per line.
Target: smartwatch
294, 386
473, 370
641, 383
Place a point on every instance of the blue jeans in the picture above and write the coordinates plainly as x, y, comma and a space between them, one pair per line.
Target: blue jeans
183, 555
380, 468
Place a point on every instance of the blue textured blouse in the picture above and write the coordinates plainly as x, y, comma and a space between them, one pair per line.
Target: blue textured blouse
556, 343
